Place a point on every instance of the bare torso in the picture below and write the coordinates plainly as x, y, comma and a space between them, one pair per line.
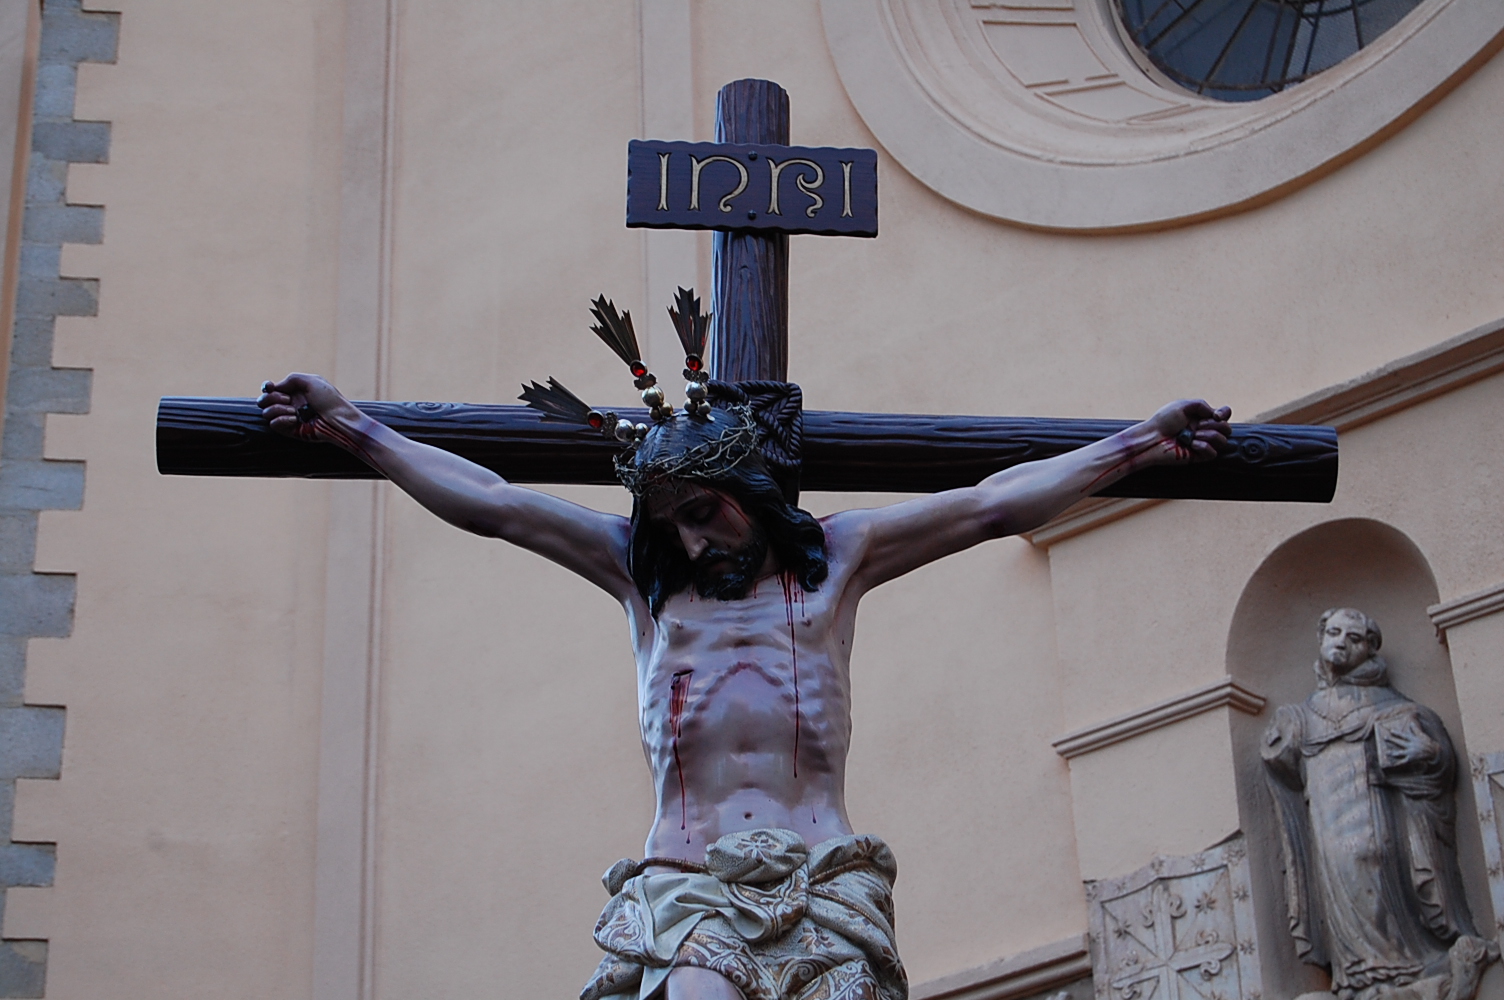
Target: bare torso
745, 708
745, 704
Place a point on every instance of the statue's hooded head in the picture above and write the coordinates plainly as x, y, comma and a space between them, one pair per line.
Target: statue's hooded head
1350, 642
730, 481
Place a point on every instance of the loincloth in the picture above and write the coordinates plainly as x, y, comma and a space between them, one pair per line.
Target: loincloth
778, 919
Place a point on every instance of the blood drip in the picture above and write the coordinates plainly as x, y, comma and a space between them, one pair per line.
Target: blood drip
789, 585
678, 697
1124, 464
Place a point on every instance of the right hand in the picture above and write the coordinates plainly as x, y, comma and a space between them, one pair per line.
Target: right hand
1190, 431
1283, 737
308, 408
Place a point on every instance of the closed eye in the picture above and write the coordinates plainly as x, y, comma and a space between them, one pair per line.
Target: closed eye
697, 513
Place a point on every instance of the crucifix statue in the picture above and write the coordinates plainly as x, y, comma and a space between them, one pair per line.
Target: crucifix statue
742, 606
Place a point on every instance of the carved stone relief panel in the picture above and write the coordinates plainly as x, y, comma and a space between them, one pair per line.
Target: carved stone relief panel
1177, 929
1488, 792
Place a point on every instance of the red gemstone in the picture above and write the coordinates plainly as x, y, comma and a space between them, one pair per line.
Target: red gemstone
692, 363
639, 369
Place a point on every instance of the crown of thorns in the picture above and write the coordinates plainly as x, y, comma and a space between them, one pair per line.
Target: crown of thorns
748, 417
708, 460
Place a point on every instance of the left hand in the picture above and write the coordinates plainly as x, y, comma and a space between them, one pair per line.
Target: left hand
1407, 746
1190, 431
309, 408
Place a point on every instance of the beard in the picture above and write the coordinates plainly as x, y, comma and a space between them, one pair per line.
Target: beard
729, 575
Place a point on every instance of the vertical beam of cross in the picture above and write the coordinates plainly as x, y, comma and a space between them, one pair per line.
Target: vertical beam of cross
749, 337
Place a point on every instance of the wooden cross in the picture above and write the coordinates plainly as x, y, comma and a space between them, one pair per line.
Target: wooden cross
753, 189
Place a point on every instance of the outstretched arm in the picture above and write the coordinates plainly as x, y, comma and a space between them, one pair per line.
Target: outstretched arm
891, 541
466, 495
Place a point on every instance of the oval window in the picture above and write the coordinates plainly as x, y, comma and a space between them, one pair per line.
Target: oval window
1242, 50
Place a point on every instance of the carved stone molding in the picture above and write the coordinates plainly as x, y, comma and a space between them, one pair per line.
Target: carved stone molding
1400, 384
1177, 929
1085, 516
1162, 713
1037, 112
1469, 607
1488, 793
1053, 970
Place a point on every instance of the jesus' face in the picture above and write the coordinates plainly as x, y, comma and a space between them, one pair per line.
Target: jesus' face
1344, 642
726, 547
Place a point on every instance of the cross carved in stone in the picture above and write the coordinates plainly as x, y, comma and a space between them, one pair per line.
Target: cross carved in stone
1169, 962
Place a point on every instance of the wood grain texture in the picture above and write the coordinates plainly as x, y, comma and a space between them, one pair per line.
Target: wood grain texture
749, 336
858, 452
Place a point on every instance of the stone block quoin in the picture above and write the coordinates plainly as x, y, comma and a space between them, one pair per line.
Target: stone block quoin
40, 605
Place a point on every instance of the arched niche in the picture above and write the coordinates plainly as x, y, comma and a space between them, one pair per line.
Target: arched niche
1272, 649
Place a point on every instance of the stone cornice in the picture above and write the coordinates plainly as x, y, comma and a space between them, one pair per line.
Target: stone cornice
1395, 386
1085, 516
1162, 713
1480, 604
1023, 975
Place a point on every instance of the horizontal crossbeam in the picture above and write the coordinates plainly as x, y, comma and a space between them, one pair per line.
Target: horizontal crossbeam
857, 452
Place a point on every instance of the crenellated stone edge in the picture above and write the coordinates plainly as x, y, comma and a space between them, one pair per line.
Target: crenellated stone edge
32, 604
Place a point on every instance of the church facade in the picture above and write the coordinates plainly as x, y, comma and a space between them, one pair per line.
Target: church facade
299, 739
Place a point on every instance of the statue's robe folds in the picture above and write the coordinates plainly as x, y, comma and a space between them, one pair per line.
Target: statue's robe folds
1371, 876
778, 919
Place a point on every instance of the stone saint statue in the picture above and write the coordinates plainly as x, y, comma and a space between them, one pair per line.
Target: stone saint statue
1364, 781
741, 608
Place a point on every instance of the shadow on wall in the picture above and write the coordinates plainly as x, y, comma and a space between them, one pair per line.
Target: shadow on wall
1272, 648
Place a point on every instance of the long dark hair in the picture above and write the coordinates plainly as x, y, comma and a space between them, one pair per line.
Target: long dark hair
660, 567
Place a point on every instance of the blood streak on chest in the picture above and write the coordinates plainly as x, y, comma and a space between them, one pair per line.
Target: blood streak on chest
678, 698
791, 589
792, 592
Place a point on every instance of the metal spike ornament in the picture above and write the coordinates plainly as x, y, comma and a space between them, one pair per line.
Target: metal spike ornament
617, 333
557, 402
657, 455
693, 327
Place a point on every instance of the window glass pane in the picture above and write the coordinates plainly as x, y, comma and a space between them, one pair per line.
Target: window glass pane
1241, 50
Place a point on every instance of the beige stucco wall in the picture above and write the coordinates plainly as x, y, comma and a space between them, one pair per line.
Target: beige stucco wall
185, 826
509, 773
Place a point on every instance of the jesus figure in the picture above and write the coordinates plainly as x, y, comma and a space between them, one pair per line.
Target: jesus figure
742, 609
